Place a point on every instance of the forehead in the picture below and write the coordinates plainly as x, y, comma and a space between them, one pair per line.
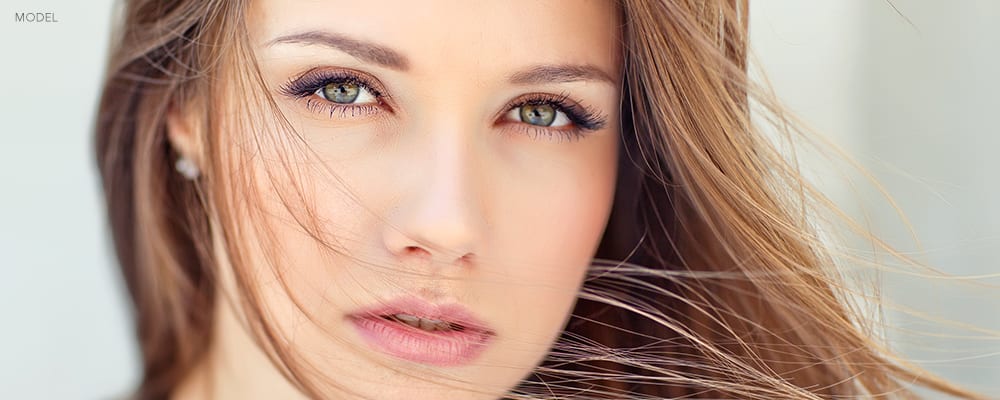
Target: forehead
452, 35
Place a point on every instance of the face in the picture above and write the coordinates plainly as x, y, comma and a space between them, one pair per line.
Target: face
462, 162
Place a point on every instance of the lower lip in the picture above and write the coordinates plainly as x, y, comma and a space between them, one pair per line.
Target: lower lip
440, 348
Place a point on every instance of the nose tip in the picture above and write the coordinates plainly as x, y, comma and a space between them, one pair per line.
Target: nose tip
434, 244
438, 223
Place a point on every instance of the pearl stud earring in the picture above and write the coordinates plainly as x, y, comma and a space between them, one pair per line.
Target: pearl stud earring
187, 168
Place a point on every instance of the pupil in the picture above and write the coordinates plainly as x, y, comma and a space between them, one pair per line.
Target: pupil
538, 114
345, 92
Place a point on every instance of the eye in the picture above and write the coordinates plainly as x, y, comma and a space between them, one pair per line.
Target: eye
346, 92
547, 111
543, 114
338, 93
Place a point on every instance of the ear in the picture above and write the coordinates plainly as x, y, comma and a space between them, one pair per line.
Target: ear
184, 134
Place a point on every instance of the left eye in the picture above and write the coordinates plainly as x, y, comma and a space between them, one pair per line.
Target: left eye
346, 92
543, 114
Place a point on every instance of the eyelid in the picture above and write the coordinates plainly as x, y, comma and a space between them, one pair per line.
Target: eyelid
581, 116
305, 87
306, 84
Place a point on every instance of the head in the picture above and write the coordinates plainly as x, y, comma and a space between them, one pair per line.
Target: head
550, 179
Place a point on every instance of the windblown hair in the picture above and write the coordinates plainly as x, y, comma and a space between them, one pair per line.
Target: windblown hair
711, 280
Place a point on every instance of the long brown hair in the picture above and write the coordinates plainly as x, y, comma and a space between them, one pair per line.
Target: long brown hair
710, 280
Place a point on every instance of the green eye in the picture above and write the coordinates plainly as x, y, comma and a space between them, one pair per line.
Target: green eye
538, 114
341, 92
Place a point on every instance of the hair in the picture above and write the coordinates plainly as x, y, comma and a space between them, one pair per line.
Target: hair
711, 279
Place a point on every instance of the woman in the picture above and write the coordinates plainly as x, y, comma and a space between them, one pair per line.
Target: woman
436, 200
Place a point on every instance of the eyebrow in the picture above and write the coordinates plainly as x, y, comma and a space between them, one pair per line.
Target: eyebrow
558, 73
363, 50
387, 57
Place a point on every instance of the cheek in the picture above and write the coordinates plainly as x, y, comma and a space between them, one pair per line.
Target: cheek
550, 234
554, 234
297, 226
554, 223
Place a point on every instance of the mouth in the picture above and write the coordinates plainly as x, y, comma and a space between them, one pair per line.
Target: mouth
423, 323
415, 330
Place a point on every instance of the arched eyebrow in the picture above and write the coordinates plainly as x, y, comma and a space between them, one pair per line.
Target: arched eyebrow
557, 73
387, 57
360, 49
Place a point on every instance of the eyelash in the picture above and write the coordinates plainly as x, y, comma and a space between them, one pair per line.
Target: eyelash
584, 119
306, 85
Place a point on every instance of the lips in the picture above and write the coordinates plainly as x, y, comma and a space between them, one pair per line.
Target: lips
413, 329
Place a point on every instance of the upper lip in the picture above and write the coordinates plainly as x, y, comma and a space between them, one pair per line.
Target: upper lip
453, 313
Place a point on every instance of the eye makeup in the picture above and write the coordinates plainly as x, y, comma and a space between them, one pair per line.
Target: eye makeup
583, 119
309, 85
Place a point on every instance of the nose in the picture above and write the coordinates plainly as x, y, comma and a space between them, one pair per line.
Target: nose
439, 219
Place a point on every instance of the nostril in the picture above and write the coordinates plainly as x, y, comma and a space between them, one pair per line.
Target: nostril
467, 259
416, 251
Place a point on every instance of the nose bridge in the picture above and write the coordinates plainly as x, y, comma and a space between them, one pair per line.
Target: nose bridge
440, 216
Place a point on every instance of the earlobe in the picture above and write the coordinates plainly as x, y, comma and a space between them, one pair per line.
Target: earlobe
184, 137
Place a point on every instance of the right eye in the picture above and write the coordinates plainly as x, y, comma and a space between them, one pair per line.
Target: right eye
343, 91
542, 114
337, 93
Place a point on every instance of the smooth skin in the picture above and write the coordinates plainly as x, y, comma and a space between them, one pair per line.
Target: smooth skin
515, 209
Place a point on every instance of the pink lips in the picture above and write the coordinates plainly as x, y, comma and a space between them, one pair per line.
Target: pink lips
467, 338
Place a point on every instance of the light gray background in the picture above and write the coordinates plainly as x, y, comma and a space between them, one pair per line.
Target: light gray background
916, 104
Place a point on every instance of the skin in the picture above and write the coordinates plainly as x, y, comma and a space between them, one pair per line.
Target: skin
503, 218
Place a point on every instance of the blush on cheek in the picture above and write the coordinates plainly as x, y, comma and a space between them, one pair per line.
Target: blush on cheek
555, 246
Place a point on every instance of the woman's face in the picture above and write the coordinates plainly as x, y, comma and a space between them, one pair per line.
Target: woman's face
475, 149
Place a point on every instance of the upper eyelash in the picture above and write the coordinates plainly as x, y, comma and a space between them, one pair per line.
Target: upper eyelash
311, 81
584, 118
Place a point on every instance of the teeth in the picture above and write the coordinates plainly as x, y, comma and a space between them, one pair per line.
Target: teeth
427, 324
409, 319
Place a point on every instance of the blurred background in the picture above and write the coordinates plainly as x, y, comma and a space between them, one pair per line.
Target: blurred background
907, 87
